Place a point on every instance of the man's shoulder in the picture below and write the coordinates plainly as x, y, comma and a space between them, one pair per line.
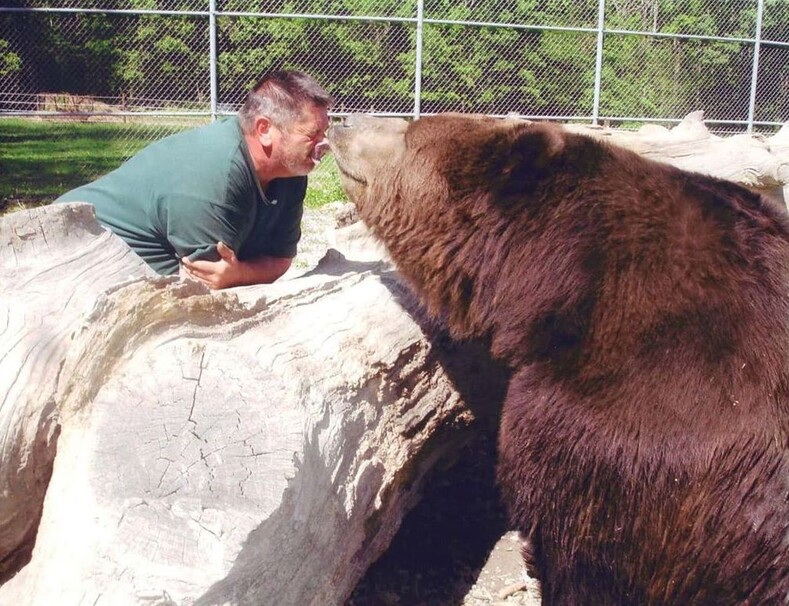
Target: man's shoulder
223, 132
205, 158
227, 127
194, 142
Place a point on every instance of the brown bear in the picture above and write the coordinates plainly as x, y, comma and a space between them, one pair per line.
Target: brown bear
644, 313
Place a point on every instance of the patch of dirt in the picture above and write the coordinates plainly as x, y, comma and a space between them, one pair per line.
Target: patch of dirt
453, 548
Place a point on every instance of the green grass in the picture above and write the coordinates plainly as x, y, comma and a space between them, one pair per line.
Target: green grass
39, 160
324, 184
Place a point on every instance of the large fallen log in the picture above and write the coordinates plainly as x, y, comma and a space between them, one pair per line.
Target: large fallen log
256, 447
54, 263
756, 161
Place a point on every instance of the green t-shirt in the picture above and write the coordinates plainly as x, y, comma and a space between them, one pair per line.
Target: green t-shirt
179, 196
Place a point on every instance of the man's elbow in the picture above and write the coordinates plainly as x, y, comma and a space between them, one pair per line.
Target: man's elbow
263, 270
280, 266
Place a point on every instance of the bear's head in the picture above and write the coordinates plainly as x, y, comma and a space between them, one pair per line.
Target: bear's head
557, 245
445, 193
446, 158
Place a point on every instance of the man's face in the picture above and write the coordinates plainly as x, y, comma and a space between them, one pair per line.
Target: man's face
298, 140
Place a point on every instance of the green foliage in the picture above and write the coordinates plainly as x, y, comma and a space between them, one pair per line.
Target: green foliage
79, 52
370, 65
10, 62
160, 52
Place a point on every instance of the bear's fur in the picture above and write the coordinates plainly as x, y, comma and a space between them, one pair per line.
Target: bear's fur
644, 313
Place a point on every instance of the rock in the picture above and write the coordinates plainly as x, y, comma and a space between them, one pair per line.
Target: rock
252, 446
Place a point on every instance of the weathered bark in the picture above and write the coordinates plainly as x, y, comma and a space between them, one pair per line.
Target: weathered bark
251, 447
54, 263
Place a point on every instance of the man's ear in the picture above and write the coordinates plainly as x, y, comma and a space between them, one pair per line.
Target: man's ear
263, 130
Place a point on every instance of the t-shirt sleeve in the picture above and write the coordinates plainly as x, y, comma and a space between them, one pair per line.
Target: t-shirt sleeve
195, 225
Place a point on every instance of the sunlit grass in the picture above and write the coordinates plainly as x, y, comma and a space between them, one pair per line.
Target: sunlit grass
41, 160
324, 184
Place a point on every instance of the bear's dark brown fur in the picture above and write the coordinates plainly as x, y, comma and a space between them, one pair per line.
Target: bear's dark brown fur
644, 311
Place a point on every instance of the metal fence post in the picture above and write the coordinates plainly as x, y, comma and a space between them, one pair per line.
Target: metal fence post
420, 15
757, 45
598, 66
212, 57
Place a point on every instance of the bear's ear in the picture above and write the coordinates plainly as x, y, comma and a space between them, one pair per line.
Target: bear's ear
534, 149
539, 143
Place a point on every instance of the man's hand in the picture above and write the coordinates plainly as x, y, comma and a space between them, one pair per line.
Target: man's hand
216, 274
229, 271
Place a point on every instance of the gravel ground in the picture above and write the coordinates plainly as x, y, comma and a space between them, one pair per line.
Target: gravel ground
453, 548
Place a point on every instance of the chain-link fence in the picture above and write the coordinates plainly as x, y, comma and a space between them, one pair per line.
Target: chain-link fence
159, 62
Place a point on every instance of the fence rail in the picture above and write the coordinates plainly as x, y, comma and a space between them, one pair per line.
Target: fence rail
618, 61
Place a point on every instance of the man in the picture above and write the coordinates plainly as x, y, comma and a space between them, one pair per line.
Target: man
221, 203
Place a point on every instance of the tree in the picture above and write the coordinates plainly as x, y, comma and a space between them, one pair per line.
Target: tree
164, 59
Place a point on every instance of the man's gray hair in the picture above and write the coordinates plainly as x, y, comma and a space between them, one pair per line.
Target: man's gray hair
281, 97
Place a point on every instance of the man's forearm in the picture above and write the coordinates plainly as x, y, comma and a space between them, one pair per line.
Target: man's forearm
262, 270
228, 271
